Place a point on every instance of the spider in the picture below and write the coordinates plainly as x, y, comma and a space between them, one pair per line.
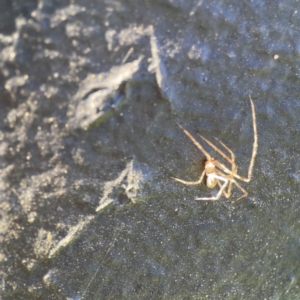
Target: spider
216, 172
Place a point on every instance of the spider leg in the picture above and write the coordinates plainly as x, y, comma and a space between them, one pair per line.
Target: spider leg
243, 190
217, 149
190, 182
230, 179
227, 171
228, 194
197, 144
233, 168
225, 180
255, 143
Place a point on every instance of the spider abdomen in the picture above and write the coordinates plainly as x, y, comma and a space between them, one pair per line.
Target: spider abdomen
211, 181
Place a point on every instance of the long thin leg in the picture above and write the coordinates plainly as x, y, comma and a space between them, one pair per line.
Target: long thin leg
230, 179
228, 149
227, 171
216, 148
233, 166
255, 143
227, 195
191, 182
243, 190
220, 191
197, 144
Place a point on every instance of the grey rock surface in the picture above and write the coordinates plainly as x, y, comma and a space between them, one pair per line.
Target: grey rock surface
90, 96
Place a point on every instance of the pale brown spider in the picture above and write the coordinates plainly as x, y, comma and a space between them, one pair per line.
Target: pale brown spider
216, 171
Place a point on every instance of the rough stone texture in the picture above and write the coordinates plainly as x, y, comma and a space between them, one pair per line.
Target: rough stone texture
90, 94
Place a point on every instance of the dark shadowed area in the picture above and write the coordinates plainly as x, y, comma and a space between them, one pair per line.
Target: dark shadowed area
90, 96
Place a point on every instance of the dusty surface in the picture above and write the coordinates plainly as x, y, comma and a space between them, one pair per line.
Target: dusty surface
90, 94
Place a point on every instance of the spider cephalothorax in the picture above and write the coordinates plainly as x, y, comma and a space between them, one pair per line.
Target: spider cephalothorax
216, 172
